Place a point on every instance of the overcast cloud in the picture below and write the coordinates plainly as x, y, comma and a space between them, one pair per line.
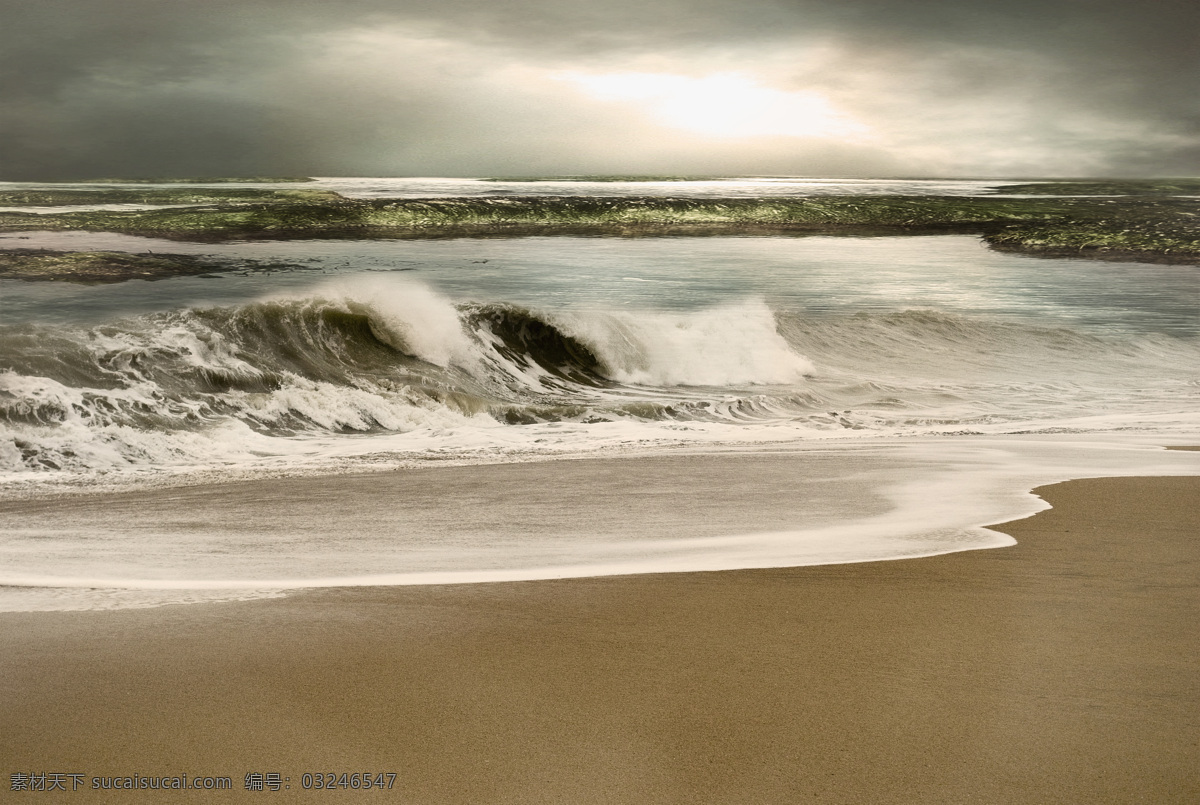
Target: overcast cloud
95, 88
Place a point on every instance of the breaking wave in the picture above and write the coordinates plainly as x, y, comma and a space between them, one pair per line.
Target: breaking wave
216, 386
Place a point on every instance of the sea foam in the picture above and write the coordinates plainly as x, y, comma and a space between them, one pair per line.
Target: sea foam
729, 345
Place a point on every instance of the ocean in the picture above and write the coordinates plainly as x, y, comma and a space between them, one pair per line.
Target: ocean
564, 406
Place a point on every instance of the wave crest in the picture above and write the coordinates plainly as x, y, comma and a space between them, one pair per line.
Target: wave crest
731, 345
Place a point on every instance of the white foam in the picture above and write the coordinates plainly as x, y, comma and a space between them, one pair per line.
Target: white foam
729, 345
409, 317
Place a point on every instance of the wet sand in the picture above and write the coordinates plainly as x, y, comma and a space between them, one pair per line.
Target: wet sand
1063, 670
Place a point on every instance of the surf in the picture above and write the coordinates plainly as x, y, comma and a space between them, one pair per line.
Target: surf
355, 365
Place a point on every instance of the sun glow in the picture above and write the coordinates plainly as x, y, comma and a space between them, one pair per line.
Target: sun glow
721, 105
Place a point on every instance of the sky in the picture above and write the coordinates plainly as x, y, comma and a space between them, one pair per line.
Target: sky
852, 88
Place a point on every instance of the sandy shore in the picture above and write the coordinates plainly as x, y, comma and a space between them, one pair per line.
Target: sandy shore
1061, 670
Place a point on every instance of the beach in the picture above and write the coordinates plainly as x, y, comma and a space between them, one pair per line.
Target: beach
1060, 669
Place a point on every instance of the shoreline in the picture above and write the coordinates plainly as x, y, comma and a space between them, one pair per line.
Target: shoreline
1057, 669
210, 538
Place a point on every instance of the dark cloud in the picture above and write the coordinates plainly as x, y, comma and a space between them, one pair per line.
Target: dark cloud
155, 87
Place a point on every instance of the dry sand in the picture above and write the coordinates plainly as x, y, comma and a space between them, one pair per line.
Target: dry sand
1061, 670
